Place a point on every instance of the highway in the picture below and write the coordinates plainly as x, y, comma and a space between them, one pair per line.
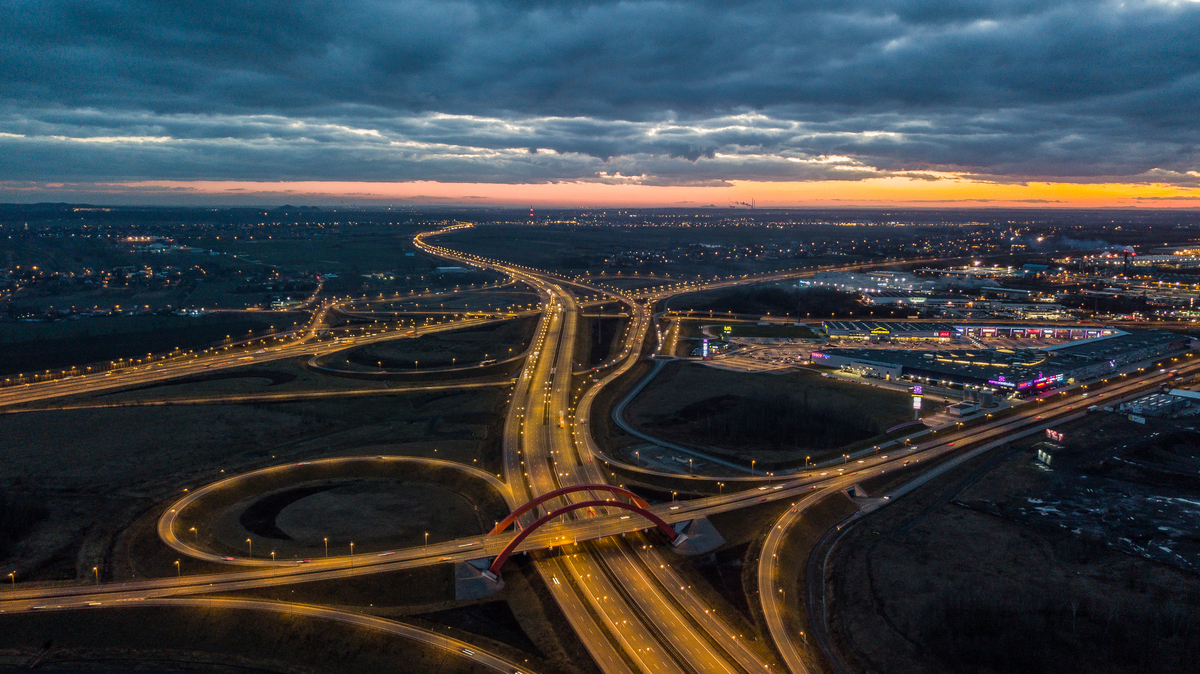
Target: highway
631, 610
593, 600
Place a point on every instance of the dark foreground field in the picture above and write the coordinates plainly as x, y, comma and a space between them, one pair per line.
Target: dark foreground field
1022, 569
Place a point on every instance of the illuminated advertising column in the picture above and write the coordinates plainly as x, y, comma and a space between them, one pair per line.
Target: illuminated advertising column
916, 396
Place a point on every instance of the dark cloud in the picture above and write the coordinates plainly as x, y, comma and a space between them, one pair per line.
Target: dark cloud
658, 92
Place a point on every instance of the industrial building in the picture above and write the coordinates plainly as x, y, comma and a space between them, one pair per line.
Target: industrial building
898, 330
1156, 405
1014, 371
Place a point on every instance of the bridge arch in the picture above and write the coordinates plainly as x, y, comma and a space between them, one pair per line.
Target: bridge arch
512, 517
675, 536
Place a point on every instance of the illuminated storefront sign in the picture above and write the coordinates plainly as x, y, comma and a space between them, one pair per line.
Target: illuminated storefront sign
1002, 382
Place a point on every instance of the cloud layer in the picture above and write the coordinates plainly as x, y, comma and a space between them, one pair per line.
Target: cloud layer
660, 92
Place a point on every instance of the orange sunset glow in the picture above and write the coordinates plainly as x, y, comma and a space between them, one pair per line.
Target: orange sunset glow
951, 191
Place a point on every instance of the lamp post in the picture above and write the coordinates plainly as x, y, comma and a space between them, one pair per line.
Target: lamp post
96, 570
426, 539
178, 571
351, 553
327, 547
752, 462
250, 545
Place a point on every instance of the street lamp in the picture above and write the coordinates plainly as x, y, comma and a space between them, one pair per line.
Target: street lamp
351, 553
195, 534
178, 572
327, 547
250, 544
752, 462
12, 575
96, 570
426, 539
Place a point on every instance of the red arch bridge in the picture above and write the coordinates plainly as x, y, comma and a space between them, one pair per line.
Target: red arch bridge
638, 506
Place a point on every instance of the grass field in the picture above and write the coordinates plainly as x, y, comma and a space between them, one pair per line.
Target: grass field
36, 347
771, 418
495, 341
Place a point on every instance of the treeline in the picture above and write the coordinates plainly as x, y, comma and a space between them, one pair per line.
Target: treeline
781, 422
1053, 630
18, 514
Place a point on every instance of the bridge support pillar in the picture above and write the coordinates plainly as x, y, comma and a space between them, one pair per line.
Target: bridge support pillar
697, 537
472, 579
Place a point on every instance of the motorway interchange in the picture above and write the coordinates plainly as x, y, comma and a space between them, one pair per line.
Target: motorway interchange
628, 606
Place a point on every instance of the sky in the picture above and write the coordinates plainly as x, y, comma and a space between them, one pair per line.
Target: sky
608, 103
